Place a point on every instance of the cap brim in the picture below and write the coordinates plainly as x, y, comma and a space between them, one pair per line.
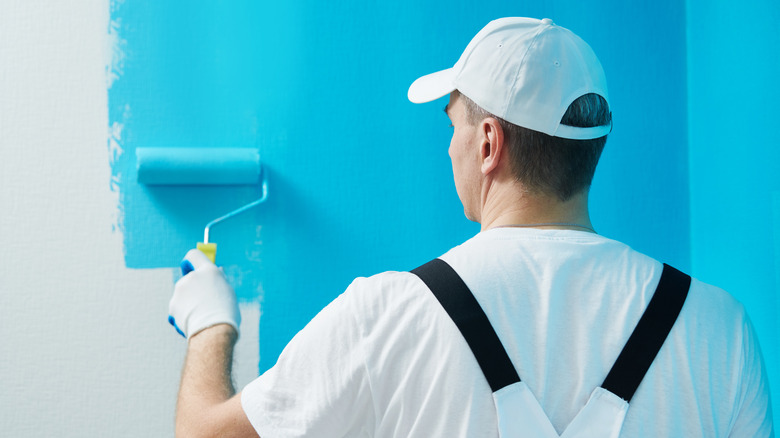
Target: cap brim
433, 86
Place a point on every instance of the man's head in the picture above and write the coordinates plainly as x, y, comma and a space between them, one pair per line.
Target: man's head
546, 165
547, 92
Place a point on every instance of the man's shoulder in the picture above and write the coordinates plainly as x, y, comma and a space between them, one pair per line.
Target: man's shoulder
383, 280
385, 291
714, 306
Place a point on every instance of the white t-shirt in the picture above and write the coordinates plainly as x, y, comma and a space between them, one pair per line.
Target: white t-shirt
385, 360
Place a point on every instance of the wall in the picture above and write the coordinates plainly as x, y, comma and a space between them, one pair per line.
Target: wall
360, 180
734, 63
85, 349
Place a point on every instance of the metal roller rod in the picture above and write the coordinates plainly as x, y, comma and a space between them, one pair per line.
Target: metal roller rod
237, 211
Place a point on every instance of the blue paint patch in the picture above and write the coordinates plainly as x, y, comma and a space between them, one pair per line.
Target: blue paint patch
360, 181
735, 161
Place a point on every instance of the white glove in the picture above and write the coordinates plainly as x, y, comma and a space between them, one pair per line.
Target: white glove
202, 297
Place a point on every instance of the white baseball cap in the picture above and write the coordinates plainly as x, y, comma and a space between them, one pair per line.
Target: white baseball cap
525, 71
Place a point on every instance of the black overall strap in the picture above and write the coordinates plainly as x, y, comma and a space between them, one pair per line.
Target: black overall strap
649, 334
464, 310
627, 372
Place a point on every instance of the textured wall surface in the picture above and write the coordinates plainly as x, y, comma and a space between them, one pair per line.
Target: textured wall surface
360, 181
85, 349
734, 66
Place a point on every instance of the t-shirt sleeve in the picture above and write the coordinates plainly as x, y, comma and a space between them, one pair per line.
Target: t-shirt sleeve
754, 409
319, 385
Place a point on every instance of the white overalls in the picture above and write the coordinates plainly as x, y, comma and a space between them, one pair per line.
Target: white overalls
519, 413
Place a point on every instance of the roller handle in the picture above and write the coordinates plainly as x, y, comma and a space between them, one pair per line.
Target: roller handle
210, 249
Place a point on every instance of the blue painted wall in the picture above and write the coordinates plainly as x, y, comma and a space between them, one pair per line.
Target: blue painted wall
733, 89
360, 181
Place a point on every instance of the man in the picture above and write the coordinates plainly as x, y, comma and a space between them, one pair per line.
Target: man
393, 357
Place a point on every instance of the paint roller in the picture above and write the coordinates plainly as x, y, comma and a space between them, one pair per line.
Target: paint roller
203, 166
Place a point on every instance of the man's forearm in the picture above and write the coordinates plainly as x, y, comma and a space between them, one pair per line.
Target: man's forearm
206, 381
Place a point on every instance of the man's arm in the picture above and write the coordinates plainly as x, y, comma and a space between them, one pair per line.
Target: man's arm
204, 310
207, 405
754, 415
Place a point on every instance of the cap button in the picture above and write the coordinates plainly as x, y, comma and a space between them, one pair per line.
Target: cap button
547, 21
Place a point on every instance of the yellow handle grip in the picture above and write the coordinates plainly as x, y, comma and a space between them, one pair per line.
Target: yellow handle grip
210, 249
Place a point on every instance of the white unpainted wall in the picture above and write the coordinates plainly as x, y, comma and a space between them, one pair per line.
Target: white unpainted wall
85, 349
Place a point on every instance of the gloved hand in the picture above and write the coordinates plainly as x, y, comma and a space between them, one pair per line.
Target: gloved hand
202, 297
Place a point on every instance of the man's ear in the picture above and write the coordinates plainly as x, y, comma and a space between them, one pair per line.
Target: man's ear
492, 147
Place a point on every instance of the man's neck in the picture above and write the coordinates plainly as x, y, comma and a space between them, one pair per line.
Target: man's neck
523, 209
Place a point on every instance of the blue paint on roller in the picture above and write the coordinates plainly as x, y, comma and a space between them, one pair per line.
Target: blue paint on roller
198, 166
